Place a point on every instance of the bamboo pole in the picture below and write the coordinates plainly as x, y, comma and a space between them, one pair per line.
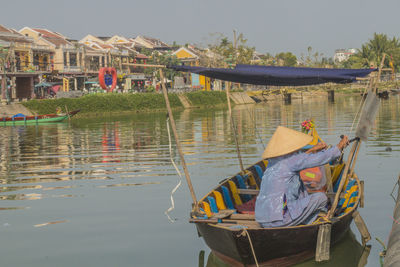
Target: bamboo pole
145, 65
378, 79
178, 144
342, 181
355, 159
233, 128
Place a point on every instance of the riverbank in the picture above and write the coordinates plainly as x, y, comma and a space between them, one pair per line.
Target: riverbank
101, 104
116, 103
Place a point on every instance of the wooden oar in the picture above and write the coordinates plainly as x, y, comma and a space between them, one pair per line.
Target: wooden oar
178, 144
367, 117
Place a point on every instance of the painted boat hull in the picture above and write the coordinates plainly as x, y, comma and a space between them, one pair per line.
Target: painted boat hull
272, 246
280, 246
32, 120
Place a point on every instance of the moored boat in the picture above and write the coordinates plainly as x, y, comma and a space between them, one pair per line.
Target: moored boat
231, 232
225, 216
21, 119
347, 252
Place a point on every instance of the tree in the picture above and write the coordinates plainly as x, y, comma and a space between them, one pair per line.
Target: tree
286, 59
4, 56
236, 52
158, 58
370, 54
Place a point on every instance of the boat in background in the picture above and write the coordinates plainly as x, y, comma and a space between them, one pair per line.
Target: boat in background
21, 119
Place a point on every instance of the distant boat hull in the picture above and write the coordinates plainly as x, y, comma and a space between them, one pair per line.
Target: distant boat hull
31, 120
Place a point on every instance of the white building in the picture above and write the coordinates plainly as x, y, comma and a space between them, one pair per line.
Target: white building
343, 54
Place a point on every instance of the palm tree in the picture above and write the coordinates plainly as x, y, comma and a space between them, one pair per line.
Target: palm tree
371, 53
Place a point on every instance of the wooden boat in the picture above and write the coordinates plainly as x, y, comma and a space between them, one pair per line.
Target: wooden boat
237, 239
225, 216
30, 120
348, 252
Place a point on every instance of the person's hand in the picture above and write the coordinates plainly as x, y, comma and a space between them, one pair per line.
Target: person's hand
343, 143
317, 147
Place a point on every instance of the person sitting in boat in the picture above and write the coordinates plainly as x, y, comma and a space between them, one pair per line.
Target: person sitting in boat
283, 199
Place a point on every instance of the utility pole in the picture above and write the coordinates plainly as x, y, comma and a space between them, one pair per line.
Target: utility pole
234, 47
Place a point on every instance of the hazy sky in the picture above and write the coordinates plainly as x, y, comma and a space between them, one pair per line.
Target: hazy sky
270, 26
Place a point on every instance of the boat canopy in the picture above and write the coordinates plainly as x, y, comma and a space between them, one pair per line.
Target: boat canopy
278, 76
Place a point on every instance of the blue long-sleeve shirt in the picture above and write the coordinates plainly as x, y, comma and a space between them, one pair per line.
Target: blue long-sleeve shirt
281, 178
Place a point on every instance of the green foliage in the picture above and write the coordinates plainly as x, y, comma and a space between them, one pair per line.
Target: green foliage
4, 54
370, 54
206, 98
113, 102
241, 54
104, 103
315, 59
150, 89
158, 58
287, 59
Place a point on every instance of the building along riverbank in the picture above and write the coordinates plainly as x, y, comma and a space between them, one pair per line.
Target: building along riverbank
99, 103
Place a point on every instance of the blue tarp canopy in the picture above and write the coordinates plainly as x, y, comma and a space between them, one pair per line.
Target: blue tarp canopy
278, 76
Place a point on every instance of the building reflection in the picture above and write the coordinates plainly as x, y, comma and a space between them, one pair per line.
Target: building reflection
131, 145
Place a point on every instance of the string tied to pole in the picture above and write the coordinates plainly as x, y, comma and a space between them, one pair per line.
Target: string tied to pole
172, 207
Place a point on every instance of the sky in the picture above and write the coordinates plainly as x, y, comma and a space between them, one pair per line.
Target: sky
270, 26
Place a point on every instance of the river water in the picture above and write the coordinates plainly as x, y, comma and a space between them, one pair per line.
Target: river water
93, 192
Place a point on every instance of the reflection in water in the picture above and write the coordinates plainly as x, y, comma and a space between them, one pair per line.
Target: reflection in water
74, 170
348, 252
117, 185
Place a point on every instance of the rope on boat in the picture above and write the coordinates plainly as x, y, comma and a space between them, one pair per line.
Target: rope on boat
255, 123
362, 102
179, 174
251, 245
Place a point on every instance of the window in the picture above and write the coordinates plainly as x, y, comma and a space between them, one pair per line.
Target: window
72, 59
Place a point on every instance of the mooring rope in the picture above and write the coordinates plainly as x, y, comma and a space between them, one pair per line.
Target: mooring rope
255, 123
362, 102
251, 245
179, 174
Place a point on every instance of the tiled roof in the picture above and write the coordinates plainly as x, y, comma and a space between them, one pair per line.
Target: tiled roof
10, 35
155, 42
103, 38
4, 29
52, 37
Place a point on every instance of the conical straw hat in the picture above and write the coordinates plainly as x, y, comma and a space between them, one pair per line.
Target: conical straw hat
285, 141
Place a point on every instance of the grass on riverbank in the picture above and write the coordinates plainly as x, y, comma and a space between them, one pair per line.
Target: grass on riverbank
103, 103
206, 98
107, 103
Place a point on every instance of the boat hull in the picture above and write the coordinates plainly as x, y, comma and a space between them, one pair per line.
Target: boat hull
272, 246
31, 120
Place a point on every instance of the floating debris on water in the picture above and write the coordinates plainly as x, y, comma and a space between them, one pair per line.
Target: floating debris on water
49, 223
118, 185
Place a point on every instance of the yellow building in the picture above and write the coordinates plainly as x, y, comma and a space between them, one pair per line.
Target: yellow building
64, 56
189, 57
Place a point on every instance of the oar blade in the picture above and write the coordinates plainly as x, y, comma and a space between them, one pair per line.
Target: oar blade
368, 116
323, 243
